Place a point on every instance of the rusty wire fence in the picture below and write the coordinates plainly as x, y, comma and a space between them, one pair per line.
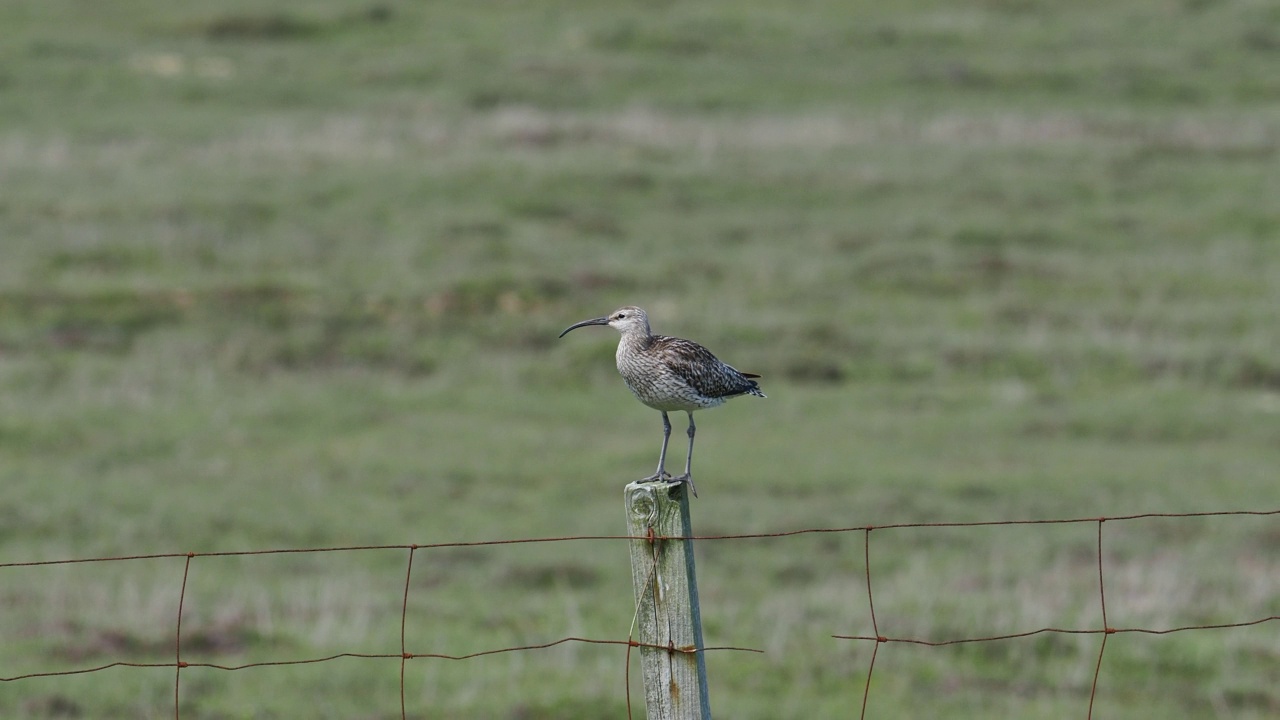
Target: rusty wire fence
870, 534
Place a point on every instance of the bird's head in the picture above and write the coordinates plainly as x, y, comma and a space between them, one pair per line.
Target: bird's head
626, 320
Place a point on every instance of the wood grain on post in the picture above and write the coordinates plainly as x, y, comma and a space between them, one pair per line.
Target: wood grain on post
666, 592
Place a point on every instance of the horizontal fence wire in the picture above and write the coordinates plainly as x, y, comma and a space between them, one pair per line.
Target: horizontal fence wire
877, 639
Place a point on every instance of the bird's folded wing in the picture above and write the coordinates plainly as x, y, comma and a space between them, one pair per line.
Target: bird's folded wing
695, 365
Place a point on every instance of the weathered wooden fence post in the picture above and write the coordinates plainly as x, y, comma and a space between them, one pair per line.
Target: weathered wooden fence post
667, 614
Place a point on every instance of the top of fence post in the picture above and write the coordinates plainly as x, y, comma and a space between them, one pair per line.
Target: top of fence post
666, 592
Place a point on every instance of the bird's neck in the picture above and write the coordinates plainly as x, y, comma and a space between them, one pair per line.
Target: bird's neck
635, 341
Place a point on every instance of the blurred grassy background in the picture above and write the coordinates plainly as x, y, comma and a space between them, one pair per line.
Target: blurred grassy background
290, 275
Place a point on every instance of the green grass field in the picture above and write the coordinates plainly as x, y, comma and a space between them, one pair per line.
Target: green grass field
290, 275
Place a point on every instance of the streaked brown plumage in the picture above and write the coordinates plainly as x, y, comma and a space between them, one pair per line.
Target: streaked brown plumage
670, 373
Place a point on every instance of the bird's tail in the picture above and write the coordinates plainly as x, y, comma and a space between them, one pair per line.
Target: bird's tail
752, 387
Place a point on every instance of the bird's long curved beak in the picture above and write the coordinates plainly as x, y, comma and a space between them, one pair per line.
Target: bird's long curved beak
584, 323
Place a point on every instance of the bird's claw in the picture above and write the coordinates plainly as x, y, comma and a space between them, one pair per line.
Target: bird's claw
687, 479
665, 476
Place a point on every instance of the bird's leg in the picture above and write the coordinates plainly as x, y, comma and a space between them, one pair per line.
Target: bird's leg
687, 477
662, 473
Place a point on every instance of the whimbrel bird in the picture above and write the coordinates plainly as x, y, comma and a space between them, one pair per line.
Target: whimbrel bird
669, 374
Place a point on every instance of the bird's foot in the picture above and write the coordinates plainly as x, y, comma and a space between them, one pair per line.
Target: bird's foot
687, 479
660, 476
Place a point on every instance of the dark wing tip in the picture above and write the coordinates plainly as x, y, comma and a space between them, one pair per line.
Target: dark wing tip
749, 375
